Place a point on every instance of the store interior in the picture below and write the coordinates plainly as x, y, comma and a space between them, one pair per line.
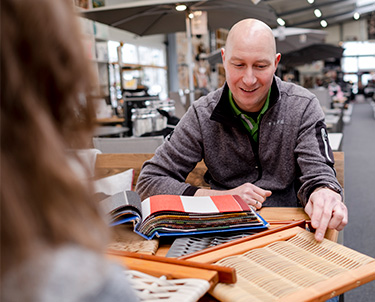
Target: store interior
148, 79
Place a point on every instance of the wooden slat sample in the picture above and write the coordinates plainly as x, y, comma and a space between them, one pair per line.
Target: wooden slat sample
225, 274
235, 248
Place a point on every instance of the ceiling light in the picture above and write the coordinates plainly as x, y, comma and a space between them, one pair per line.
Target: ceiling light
191, 15
317, 13
255, 1
356, 16
280, 21
181, 7
323, 23
311, 1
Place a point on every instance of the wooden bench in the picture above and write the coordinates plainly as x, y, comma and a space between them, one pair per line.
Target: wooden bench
113, 163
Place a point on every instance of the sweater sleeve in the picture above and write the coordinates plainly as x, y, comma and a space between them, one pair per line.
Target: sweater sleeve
314, 154
167, 171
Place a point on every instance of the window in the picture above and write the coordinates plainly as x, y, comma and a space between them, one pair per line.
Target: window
349, 64
130, 54
146, 66
112, 51
358, 61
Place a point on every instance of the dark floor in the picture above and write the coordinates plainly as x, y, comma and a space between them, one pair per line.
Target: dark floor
359, 148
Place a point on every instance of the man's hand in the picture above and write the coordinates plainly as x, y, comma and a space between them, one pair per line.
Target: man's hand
250, 193
326, 210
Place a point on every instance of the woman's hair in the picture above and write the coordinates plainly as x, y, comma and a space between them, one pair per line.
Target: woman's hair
45, 81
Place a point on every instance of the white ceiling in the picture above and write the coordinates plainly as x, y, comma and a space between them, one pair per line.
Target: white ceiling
296, 13
299, 13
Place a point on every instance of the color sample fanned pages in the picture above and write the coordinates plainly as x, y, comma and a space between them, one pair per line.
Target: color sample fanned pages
175, 215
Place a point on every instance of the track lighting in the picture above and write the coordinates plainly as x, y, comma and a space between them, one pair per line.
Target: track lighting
317, 13
181, 7
280, 21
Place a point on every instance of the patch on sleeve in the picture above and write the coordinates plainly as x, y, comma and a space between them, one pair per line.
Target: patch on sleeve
324, 147
169, 135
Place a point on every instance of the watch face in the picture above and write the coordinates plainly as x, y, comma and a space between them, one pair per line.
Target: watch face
333, 188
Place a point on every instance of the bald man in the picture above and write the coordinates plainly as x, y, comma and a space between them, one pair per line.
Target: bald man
261, 138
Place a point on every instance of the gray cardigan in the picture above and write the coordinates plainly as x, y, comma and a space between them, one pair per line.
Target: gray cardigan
292, 158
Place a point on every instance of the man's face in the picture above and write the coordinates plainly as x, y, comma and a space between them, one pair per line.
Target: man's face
250, 64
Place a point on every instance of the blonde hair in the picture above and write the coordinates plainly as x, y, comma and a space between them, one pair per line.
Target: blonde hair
45, 81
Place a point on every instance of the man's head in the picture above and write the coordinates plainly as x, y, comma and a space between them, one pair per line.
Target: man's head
250, 61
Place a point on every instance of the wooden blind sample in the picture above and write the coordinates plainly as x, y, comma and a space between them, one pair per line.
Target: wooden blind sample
297, 269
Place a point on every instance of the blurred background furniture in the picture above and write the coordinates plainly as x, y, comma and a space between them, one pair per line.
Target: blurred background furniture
127, 144
323, 96
335, 141
110, 131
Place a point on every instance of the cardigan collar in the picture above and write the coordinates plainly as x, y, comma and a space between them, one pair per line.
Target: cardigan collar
220, 112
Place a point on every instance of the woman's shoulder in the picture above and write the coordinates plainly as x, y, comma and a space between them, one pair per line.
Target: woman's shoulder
70, 273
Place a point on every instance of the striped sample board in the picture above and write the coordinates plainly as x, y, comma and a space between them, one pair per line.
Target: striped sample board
174, 215
193, 204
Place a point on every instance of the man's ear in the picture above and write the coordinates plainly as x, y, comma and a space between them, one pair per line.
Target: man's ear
277, 59
223, 55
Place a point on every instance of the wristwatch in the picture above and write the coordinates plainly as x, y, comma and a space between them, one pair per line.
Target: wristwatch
333, 188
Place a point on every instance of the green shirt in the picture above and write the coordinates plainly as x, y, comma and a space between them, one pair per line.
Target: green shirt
251, 124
